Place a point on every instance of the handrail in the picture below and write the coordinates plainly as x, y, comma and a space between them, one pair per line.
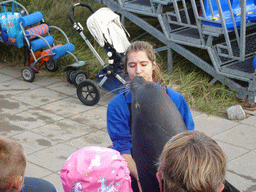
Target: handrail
242, 30
230, 51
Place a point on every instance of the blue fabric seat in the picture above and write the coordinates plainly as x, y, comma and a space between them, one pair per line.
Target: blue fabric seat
226, 13
250, 9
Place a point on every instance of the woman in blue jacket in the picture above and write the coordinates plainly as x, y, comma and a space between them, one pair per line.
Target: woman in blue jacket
140, 60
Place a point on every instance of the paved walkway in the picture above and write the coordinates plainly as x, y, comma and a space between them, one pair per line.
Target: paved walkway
50, 122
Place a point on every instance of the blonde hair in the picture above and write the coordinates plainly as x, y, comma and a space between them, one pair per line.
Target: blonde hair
192, 161
148, 49
12, 162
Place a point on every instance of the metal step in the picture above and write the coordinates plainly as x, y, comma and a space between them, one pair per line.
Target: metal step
187, 35
250, 48
240, 68
138, 5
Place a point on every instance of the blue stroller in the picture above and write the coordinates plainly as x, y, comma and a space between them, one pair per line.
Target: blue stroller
106, 28
30, 31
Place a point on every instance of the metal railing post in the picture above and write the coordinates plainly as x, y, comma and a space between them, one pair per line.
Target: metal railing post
242, 29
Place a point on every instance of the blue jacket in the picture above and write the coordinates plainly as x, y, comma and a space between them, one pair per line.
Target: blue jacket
118, 116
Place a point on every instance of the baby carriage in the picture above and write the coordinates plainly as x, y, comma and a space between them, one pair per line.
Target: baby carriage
106, 28
30, 31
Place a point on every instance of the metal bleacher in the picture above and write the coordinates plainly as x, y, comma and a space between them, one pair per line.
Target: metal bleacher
226, 29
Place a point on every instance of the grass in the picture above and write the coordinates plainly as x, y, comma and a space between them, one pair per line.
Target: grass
200, 95
193, 82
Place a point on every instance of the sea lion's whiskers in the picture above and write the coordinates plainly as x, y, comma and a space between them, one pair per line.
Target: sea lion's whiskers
127, 90
119, 88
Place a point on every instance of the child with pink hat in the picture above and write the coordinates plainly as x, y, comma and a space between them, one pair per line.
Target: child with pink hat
96, 169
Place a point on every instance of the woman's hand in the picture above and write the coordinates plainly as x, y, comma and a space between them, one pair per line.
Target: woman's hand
140, 188
132, 167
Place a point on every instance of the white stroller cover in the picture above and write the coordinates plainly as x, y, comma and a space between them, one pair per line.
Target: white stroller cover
105, 23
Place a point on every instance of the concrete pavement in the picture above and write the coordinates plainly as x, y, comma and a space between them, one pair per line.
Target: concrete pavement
50, 122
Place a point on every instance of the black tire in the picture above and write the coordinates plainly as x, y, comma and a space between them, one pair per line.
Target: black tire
51, 65
79, 76
88, 92
28, 74
70, 75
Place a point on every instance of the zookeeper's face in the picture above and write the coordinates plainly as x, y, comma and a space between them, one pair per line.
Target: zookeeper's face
138, 64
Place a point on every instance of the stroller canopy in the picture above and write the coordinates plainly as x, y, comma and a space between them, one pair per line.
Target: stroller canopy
105, 26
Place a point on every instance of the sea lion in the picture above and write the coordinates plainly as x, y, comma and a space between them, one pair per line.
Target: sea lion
155, 119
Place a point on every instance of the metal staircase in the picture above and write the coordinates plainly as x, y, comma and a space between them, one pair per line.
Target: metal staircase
225, 28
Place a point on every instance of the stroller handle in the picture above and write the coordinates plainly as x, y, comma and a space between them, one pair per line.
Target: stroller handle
72, 8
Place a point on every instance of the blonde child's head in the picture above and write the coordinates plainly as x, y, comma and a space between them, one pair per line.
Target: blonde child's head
12, 165
192, 161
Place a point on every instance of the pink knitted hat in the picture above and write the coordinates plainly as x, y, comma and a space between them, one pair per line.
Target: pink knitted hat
96, 169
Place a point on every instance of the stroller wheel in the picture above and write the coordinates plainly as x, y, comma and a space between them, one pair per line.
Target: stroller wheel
79, 76
70, 75
88, 92
51, 65
28, 74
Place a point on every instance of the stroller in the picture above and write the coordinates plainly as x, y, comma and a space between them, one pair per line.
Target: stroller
21, 29
106, 28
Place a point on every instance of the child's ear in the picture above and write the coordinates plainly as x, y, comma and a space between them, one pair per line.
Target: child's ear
154, 65
18, 182
159, 178
222, 187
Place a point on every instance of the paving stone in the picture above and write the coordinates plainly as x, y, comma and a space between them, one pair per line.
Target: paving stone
4, 78
32, 118
231, 151
63, 130
242, 135
15, 87
33, 170
10, 106
195, 113
63, 87
250, 121
211, 125
46, 80
7, 129
240, 182
97, 138
40, 96
55, 180
67, 107
95, 117
244, 166
3, 137
33, 142
52, 158
12, 71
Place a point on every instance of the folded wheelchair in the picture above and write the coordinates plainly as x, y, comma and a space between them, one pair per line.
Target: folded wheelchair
32, 32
